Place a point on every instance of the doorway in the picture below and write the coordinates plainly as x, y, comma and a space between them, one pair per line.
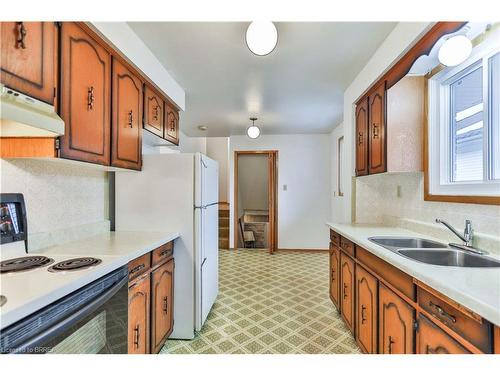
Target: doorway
255, 209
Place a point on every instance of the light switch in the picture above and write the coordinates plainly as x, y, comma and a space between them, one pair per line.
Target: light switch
285, 187
398, 191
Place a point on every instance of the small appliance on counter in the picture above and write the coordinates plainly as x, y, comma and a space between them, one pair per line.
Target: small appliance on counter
91, 319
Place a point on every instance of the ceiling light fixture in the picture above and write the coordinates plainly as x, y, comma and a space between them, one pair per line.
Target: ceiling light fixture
203, 127
261, 37
253, 131
455, 50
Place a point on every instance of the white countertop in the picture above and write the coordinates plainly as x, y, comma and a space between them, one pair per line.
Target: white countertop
29, 291
475, 288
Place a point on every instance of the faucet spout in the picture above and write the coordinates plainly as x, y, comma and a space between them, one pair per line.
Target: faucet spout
468, 233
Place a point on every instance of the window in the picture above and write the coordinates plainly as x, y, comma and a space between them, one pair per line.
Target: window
464, 127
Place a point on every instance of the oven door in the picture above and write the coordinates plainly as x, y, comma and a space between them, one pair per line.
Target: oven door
89, 321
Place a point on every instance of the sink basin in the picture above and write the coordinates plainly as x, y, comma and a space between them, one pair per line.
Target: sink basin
396, 243
448, 257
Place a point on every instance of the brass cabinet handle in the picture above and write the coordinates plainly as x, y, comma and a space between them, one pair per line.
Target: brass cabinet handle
138, 268
165, 304
130, 118
172, 125
391, 341
20, 42
136, 336
438, 350
345, 290
333, 274
443, 313
155, 116
164, 252
360, 138
90, 98
375, 130
363, 318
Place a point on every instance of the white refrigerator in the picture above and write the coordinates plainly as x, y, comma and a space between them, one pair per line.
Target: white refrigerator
178, 193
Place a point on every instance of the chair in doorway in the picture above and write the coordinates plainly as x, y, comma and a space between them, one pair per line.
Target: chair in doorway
248, 236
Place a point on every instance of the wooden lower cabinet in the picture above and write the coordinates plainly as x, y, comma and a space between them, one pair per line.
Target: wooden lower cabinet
396, 323
366, 310
496, 342
162, 293
138, 315
334, 275
347, 290
433, 340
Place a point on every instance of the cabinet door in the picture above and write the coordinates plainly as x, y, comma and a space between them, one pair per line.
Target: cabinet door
366, 310
28, 58
376, 129
172, 124
347, 290
362, 138
154, 112
126, 148
334, 275
433, 340
85, 96
396, 331
162, 308
138, 316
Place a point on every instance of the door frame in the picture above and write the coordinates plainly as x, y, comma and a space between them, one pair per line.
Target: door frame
272, 173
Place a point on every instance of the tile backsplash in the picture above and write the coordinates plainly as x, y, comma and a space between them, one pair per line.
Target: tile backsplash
63, 201
397, 199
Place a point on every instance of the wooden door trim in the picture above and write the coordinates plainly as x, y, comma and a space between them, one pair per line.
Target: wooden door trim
273, 203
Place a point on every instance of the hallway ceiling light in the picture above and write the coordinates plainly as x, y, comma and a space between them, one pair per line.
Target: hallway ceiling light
261, 37
455, 50
253, 131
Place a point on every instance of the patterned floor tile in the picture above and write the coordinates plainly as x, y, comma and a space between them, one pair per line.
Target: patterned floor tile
271, 304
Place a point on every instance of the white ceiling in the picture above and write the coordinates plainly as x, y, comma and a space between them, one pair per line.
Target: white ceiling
297, 89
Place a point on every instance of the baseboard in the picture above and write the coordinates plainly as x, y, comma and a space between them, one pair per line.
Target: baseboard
303, 250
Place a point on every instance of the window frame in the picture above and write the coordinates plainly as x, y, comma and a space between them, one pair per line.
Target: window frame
437, 168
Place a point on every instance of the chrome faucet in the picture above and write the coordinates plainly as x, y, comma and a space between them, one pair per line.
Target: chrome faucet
467, 237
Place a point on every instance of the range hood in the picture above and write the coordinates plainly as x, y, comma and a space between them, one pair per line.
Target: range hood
23, 116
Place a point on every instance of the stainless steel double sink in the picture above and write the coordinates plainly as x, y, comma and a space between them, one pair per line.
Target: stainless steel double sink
432, 252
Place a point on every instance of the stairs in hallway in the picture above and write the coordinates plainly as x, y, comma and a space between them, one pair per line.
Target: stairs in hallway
223, 226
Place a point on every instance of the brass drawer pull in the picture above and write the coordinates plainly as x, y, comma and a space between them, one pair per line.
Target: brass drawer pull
165, 252
138, 268
165, 304
20, 42
136, 336
90, 98
443, 313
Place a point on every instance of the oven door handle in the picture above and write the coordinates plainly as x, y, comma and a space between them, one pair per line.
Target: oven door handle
67, 322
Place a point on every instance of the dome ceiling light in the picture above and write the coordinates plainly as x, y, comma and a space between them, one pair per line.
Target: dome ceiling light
253, 131
455, 50
261, 37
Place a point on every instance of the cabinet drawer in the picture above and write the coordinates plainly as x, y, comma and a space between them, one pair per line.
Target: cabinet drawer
433, 340
347, 246
335, 238
470, 326
398, 279
162, 253
139, 265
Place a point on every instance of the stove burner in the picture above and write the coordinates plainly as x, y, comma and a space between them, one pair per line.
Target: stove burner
75, 264
24, 263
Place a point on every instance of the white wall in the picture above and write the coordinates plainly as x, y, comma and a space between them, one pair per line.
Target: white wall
304, 166
253, 182
218, 149
404, 35
126, 40
337, 202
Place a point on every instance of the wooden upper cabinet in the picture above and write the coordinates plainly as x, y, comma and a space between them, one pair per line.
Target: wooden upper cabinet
362, 138
162, 305
334, 274
28, 58
366, 310
154, 117
126, 148
85, 96
347, 290
433, 340
172, 124
396, 329
138, 316
376, 128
